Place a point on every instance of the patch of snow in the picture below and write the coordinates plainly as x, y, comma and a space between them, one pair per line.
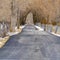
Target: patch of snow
14, 33
1, 38
22, 26
39, 28
0, 43
55, 34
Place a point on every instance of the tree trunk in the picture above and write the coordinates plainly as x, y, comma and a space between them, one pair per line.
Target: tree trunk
13, 24
44, 27
18, 24
56, 29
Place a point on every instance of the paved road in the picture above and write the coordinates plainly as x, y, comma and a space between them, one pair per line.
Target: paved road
31, 44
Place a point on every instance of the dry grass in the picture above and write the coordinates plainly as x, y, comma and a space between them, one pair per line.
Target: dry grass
3, 41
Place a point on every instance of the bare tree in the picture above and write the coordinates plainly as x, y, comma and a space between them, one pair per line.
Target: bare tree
13, 15
18, 18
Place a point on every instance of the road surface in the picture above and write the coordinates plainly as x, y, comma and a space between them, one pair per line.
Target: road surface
31, 44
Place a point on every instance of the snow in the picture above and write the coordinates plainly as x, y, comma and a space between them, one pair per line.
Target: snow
0, 43
22, 26
14, 33
1, 38
39, 28
56, 34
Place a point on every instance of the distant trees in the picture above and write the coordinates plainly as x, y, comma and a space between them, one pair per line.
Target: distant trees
47, 23
35, 17
56, 24
44, 22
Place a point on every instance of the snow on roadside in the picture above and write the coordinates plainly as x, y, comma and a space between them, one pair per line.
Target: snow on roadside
22, 26
39, 28
55, 34
14, 33
1, 38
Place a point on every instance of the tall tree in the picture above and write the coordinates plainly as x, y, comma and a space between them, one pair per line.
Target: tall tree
13, 15
18, 18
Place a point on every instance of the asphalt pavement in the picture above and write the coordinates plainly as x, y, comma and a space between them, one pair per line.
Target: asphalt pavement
31, 44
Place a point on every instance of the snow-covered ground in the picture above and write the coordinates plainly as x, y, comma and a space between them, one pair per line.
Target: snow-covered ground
41, 29
21, 27
1, 38
55, 34
14, 33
